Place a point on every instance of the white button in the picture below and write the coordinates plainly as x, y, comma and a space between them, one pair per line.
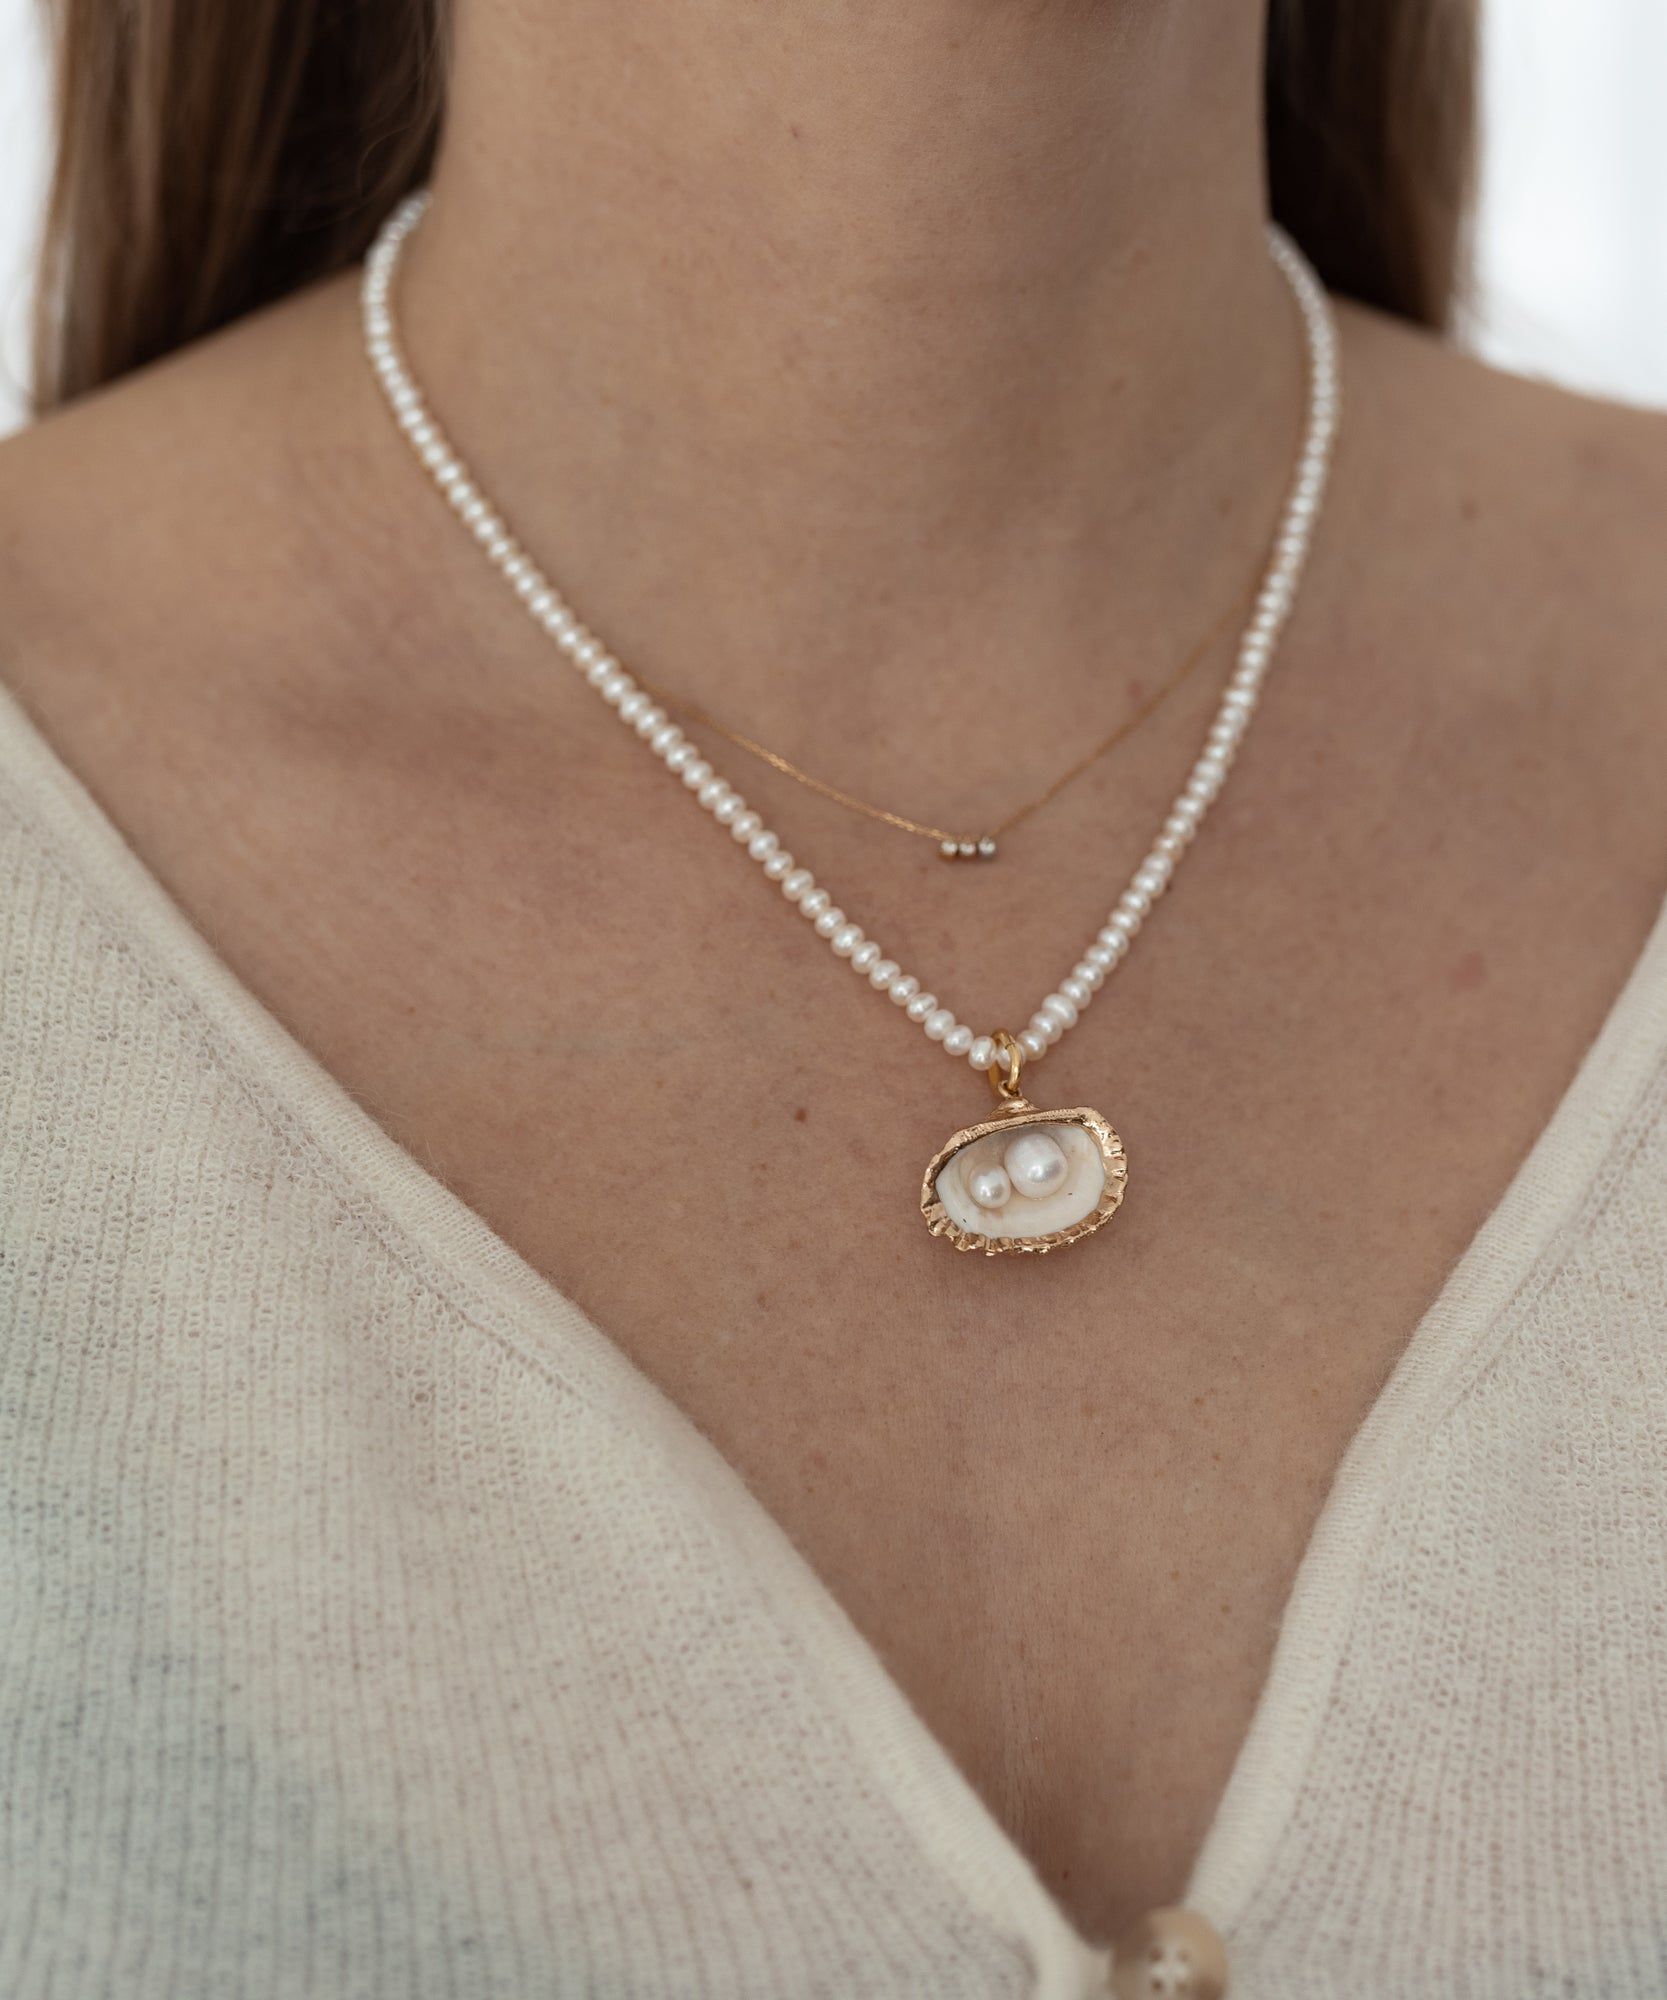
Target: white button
1169, 1955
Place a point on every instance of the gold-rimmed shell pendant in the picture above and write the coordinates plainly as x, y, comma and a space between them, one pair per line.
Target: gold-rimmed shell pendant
1026, 1180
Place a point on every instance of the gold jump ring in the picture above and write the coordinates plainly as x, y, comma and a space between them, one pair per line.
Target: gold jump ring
1006, 1086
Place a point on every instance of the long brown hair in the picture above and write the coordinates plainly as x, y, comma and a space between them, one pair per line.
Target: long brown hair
212, 157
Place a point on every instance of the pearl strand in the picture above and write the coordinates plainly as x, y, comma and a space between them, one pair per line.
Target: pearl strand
1060, 1010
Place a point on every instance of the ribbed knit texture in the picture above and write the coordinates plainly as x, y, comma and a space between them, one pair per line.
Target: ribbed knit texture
370, 1630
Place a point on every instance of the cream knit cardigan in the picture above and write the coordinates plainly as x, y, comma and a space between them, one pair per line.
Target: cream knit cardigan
371, 1630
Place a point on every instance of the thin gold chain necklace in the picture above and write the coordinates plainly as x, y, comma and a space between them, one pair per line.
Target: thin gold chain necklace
952, 846
1027, 1180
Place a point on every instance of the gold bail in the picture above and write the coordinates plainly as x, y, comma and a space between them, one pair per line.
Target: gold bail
1006, 1087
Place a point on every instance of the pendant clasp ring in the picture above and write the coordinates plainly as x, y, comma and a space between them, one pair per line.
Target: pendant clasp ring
1004, 1077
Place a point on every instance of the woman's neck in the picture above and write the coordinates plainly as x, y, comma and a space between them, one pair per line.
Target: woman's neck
804, 345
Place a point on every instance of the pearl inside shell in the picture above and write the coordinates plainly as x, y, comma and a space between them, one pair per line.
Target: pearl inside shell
1035, 1163
1018, 1183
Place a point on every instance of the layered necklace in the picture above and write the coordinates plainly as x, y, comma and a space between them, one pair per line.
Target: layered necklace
1025, 1179
953, 846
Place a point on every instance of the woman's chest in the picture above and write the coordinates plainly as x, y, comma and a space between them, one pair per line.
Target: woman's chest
355, 1572
1064, 1498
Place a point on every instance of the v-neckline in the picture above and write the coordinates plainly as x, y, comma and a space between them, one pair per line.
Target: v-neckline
517, 1305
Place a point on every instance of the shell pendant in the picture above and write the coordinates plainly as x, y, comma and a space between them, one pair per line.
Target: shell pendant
1025, 1180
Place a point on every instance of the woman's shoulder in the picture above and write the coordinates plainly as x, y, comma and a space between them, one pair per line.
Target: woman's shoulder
182, 499
1469, 412
1537, 509
199, 563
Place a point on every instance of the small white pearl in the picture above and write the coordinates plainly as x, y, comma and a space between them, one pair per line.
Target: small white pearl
990, 1187
1077, 991
987, 848
649, 722
763, 844
938, 1024
957, 1041
865, 957
903, 989
949, 849
667, 738
982, 1053
845, 940
828, 921
743, 826
779, 865
881, 975
715, 788
919, 1005
1034, 1045
797, 882
814, 903
729, 809
696, 774
1058, 1008
634, 705
1035, 1163
680, 756
1048, 1026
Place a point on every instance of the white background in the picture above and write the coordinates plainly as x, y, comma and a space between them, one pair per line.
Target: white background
1572, 230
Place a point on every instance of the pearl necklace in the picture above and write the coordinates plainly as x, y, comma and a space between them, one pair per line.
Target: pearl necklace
1028, 1179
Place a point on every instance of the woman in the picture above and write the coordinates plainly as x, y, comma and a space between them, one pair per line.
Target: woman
504, 1493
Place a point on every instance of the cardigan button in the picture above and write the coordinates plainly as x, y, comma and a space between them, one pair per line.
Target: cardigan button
1169, 1955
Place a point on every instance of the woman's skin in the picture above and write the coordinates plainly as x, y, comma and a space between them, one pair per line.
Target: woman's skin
908, 385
